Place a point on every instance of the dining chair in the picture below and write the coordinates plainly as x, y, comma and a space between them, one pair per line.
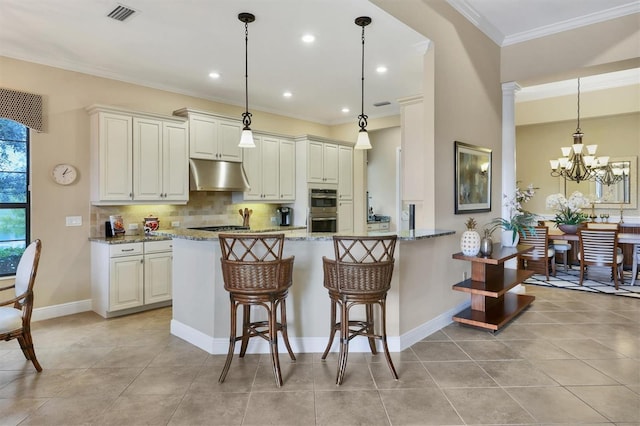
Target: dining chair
559, 246
15, 313
598, 247
360, 274
256, 274
636, 260
542, 256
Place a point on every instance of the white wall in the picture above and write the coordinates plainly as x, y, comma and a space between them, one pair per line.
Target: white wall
382, 171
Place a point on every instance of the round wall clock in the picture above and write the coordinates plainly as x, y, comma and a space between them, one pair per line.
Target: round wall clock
64, 174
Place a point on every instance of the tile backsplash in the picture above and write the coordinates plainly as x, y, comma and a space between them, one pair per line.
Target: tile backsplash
203, 208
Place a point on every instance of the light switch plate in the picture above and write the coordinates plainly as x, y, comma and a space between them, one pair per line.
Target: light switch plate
175, 224
73, 221
133, 226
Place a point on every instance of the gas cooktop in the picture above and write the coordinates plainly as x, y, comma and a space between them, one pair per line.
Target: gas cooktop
221, 228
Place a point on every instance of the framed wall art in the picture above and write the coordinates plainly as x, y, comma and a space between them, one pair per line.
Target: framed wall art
472, 178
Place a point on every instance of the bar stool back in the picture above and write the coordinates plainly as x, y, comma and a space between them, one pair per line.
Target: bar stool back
360, 275
255, 273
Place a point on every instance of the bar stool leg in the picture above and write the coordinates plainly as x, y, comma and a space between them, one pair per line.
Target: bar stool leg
333, 329
283, 327
344, 342
246, 329
232, 340
273, 343
370, 330
383, 307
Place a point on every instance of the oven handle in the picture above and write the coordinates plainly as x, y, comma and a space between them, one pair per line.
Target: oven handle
323, 219
330, 197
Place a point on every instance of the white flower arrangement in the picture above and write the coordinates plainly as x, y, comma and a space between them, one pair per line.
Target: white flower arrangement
568, 211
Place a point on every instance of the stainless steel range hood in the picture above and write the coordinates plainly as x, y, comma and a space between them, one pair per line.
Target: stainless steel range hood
213, 175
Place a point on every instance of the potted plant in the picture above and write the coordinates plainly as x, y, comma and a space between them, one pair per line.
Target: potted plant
519, 220
568, 212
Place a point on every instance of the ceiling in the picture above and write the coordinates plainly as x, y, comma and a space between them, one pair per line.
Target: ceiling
174, 44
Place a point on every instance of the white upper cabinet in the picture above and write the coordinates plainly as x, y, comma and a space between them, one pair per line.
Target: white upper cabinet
138, 157
322, 162
270, 169
345, 173
212, 137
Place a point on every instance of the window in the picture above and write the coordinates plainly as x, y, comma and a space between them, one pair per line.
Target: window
14, 194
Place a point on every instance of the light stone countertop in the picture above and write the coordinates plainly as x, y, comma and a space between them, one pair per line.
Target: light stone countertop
126, 239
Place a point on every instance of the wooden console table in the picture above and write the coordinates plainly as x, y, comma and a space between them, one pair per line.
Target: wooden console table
491, 304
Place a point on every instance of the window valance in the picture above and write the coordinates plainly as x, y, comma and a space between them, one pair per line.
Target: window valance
25, 108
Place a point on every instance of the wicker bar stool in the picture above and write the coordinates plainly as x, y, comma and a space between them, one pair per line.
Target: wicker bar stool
255, 274
359, 275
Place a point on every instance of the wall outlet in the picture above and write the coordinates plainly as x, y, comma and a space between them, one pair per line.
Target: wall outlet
175, 224
274, 220
133, 226
73, 221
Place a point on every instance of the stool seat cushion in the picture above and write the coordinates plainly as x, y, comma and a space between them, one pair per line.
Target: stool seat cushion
10, 319
619, 257
561, 246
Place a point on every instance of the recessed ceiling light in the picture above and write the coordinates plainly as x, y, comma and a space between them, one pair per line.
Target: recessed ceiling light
287, 94
381, 69
308, 38
345, 109
214, 75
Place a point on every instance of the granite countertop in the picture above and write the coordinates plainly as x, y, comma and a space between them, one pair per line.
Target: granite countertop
299, 234
129, 239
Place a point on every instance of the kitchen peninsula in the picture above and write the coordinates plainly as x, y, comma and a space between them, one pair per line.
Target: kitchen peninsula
201, 304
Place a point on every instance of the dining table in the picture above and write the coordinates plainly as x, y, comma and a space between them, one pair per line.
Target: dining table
623, 238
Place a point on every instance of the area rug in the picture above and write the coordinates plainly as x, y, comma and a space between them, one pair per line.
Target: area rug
596, 282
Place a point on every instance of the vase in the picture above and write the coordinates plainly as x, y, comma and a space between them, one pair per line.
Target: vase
507, 238
470, 243
568, 229
486, 246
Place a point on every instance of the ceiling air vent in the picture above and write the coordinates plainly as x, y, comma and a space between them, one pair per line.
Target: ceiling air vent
383, 103
121, 12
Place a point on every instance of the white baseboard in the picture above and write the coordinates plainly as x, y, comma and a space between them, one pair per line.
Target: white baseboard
54, 311
314, 344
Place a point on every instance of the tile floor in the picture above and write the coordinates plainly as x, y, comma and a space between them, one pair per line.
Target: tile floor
571, 358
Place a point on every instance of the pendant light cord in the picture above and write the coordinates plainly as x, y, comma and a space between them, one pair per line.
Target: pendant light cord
362, 119
578, 128
246, 116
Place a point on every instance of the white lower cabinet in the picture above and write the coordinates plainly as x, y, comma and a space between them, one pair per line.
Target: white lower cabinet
345, 216
130, 277
378, 226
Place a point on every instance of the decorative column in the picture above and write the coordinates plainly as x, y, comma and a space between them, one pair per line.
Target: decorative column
509, 153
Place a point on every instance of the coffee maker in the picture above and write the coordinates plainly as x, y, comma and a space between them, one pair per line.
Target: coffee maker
285, 216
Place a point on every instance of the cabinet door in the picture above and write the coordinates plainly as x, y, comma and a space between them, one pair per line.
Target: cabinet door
228, 140
252, 164
126, 276
345, 173
175, 162
157, 277
287, 170
147, 159
270, 168
330, 163
345, 216
203, 137
116, 162
315, 153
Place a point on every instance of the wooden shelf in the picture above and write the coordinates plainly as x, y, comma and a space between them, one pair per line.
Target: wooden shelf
497, 313
496, 288
492, 306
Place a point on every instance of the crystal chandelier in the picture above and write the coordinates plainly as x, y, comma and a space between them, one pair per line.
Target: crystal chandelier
575, 164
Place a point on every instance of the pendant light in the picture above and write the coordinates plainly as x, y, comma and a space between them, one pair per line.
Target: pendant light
363, 136
246, 139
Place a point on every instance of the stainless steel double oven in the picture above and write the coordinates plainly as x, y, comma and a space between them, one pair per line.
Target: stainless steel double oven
323, 210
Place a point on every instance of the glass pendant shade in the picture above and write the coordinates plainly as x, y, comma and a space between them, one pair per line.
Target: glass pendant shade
363, 140
246, 139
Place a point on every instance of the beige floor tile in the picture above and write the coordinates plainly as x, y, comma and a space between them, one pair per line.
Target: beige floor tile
95, 382
211, 409
183, 354
571, 317
572, 372
122, 356
356, 376
410, 375
419, 407
46, 384
554, 405
456, 331
162, 381
280, 408
516, 331
295, 377
14, 411
555, 331
516, 373
74, 357
240, 378
69, 411
627, 347
616, 403
587, 349
537, 349
486, 350
437, 336
405, 356
349, 408
457, 374
141, 410
487, 405
533, 317
439, 351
